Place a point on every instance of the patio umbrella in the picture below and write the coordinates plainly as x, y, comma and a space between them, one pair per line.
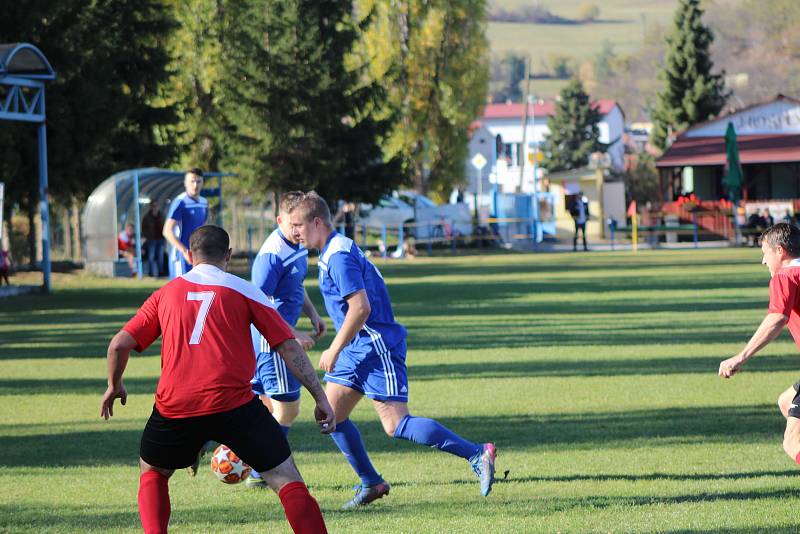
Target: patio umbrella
733, 169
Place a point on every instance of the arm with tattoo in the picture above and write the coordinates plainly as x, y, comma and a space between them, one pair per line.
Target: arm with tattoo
298, 363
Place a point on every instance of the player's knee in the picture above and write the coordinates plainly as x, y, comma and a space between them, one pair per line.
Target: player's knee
286, 412
144, 467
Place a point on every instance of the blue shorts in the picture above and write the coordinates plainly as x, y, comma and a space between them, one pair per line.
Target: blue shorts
373, 370
273, 379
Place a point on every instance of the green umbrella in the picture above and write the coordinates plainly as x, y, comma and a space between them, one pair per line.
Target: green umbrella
733, 169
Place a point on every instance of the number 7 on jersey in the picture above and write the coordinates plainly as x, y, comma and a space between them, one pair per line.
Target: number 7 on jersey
205, 298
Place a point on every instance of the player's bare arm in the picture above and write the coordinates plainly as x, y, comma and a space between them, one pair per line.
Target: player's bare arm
311, 312
769, 329
298, 363
358, 310
169, 235
119, 351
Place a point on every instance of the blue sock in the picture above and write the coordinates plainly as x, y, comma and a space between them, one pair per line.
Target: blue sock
348, 439
433, 434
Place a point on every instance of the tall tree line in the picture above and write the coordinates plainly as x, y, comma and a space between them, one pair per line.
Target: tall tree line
102, 112
353, 98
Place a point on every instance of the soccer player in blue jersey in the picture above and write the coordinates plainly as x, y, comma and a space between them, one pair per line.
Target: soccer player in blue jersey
187, 213
279, 270
367, 356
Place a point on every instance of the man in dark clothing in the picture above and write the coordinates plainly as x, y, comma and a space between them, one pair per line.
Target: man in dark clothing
579, 209
152, 224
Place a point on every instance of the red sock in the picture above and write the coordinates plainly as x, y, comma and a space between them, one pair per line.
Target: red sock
797, 459
301, 509
154, 502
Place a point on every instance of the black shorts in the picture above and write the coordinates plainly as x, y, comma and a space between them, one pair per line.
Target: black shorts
249, 430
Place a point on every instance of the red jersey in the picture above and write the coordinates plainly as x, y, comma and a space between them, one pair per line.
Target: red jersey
207, 357
784, 296
123, 241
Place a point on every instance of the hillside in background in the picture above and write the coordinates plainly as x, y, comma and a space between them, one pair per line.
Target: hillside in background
617, 52
622, 22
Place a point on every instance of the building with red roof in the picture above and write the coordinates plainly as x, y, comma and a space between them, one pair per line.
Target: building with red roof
768, 135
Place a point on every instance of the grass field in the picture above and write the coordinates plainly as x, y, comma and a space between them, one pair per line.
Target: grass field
595, 375
621, 22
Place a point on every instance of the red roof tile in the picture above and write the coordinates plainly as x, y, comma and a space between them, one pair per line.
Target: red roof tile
539, 109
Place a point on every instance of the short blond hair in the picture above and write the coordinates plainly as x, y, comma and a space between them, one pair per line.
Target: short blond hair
313, 206
289, 201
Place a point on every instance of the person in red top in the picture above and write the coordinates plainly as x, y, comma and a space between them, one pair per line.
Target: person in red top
781, 247
204, 392
127, 249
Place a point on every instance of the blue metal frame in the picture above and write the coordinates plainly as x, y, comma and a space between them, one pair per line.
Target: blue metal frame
16, 107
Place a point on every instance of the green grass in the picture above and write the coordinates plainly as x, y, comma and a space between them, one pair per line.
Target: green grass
595, 374
620, 23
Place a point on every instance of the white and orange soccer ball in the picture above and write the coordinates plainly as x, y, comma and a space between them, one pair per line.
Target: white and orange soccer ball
228, 467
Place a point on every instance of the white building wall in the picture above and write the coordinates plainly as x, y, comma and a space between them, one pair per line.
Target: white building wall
612, 126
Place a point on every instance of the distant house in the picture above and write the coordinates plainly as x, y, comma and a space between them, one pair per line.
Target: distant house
506, 120
768, 135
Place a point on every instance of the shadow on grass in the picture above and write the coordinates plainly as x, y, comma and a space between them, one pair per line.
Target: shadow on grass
533, 264
524, 432
36, 518
688, 477
422, 371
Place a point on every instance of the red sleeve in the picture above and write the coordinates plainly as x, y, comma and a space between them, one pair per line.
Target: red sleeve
145, 327
782, 294
269, 322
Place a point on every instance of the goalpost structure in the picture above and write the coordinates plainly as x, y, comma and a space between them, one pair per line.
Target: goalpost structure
23, 71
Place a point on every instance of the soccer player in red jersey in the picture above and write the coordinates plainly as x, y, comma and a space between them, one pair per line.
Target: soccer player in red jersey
781, 247
204, 392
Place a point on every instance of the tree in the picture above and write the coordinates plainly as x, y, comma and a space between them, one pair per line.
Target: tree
573, 129
103, 113
690, 93
198, 70
300, 115
431, 57
588, 12
507, 73
641, 180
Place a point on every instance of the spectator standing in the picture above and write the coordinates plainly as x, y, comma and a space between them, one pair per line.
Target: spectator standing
5, 265
152, 225
580, 213
347, 216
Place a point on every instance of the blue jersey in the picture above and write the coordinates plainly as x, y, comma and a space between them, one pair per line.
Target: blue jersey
190, 215
343, 270
279, 270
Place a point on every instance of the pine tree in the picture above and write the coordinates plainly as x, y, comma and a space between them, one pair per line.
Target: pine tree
198, 69
691, 94
573, 129
303, 118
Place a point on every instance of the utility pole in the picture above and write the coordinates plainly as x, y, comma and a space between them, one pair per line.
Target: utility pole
526, 102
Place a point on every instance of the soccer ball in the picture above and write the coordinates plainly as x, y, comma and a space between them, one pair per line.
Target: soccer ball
228, 467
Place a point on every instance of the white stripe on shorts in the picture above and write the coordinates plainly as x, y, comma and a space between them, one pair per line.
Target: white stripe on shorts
386, 358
